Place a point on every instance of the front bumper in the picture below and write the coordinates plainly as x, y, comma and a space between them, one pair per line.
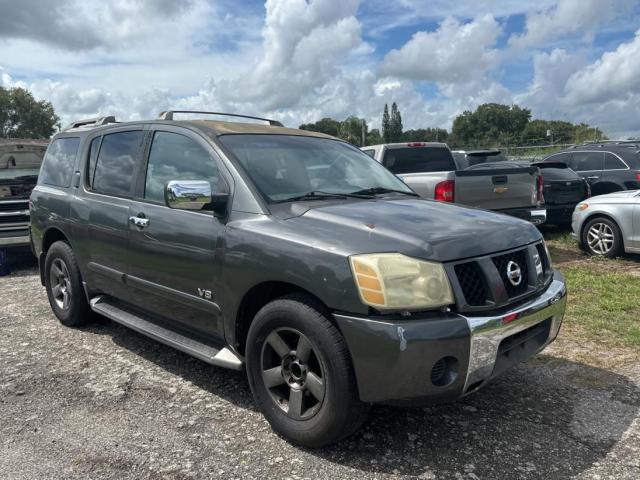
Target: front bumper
395, 361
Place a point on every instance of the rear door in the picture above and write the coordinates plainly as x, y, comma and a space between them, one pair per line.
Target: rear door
110, 180
588, 164
175, 260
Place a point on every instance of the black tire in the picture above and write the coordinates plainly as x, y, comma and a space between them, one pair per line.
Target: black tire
319, 423
64, 286
601, 236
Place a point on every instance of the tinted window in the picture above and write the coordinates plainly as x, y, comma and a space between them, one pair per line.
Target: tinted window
560, 157
371, 153
611, 162
57, 168
419, 159
586, 161
116, 163
285, 166
93, 157
565, 174
176, 157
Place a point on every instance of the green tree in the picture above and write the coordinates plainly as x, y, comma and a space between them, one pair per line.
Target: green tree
490, 125
326, 125
374, 137
425, 135
21, 116
395, 124
351, 130
386, 124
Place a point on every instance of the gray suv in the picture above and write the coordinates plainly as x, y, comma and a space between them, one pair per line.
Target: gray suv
293, 255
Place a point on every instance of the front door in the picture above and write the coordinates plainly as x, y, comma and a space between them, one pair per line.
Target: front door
175, 258
589, 165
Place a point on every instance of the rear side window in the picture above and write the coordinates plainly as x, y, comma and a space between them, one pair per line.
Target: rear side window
565, 174
116, 163
176, 157
586, 161
611, 162
58, 164
419, 160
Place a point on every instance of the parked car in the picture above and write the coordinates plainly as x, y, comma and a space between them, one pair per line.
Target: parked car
20, 161
468, 158
429, 168
563, 188
608, 167
293, 255
608, 225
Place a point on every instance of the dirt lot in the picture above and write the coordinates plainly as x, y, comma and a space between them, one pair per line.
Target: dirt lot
105, 402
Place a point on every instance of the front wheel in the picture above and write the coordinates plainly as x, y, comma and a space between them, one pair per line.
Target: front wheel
300, 373
601, 236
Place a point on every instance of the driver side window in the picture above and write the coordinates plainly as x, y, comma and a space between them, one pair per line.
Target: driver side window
177, 157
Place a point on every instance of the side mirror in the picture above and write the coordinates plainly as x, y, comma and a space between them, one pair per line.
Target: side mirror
187, 194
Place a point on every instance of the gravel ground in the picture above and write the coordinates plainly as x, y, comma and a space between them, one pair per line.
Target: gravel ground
105, 402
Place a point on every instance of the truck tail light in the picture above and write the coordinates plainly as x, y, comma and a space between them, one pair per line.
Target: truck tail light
445, 191
539, 185
587, 189
638, 176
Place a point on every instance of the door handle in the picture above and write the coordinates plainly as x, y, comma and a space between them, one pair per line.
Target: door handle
593, 178
139, 222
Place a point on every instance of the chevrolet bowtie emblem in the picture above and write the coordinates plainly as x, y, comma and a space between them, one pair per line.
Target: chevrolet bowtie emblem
500, 189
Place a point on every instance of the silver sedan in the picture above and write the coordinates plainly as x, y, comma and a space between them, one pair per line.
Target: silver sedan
608, 225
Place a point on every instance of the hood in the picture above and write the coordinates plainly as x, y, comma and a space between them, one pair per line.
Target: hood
419, 228
623, 194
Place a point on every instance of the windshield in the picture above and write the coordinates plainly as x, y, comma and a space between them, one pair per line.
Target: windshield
287, 166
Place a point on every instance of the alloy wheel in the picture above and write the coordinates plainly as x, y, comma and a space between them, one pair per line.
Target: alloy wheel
600, 238
293, 373
60, 282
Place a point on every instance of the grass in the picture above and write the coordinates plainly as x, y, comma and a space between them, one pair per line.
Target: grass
604, 304
604, 294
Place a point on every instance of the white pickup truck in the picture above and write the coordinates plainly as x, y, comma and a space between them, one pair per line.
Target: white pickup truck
430, 169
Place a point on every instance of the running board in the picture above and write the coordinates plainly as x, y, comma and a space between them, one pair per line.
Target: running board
220, 358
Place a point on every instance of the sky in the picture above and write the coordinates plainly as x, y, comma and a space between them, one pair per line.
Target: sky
301, 60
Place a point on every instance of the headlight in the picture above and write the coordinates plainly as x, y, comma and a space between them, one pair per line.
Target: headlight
392, 281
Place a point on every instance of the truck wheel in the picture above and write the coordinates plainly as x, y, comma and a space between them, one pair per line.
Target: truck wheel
300, 373
601, 236
64, 286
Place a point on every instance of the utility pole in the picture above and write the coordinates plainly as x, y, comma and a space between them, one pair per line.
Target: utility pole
364, 135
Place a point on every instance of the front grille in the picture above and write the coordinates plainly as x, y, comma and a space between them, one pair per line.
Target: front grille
472, 282
502, 262
13, 206
482, 283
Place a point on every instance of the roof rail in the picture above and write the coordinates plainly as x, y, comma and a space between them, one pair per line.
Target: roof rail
168, 115
94, 122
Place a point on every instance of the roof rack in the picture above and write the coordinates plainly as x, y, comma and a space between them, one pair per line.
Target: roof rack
168, 115
93, 122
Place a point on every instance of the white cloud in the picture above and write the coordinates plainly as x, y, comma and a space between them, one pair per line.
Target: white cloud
616, 75
583, 17
451, 54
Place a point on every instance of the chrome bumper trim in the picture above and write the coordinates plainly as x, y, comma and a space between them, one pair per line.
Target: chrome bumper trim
15, 241
488, 332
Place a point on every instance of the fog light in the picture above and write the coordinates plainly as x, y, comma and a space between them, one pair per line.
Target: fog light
444, 372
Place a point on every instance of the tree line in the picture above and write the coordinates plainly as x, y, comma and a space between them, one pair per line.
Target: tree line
22, 116
489, 125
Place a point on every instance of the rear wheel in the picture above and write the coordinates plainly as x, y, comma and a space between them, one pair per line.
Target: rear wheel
300, 373
601, 236
64, 286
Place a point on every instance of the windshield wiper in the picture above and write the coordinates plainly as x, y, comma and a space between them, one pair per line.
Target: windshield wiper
319, 195
380, 190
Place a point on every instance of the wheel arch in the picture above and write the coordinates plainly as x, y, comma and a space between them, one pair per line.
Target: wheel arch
50, 236
257, 297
